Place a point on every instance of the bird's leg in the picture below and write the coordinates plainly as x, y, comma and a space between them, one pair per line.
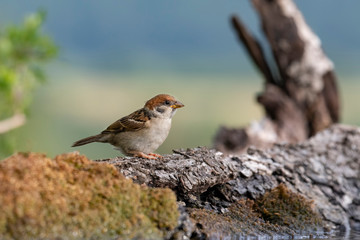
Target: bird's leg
156, 155
143, 155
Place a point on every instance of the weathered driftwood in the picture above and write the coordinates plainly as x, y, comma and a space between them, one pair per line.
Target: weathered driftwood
325, 169
186, 171
300, 96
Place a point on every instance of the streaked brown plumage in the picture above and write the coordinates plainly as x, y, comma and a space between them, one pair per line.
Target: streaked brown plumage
141, 132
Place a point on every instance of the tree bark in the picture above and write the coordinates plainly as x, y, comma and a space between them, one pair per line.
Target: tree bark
324, 169
303, 98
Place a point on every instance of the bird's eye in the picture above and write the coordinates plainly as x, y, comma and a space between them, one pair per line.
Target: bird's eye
167, 102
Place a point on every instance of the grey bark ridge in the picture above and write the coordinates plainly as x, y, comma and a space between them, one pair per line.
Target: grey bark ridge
188, 171
325, 169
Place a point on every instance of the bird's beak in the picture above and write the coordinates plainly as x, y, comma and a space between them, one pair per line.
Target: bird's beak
177, 104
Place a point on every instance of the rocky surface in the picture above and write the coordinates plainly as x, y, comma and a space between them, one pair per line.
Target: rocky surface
325, 169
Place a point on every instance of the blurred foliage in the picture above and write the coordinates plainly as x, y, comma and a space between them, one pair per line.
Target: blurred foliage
23, 51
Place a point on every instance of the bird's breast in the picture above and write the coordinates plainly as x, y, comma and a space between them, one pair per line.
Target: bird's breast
145, 140
159, 129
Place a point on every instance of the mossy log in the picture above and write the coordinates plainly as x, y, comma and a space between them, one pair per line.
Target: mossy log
325, 170
287, 190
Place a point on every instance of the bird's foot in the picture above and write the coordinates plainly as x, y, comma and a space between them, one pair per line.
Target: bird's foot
156, 155
147, 156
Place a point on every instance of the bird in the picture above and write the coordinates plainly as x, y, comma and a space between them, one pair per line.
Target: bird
140, 133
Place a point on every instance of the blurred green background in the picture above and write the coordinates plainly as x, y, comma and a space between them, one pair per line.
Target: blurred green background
114, 55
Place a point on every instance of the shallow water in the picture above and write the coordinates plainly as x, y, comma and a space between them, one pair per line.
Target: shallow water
352, 235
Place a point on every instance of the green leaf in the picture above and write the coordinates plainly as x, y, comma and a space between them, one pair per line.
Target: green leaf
24, 49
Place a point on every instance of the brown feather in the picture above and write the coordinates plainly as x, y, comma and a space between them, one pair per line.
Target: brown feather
87, 140
158, 100
133, 122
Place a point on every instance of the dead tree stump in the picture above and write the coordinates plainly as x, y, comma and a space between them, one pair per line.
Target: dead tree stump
300, 96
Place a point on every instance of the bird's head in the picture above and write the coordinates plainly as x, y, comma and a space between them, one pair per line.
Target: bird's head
163, 105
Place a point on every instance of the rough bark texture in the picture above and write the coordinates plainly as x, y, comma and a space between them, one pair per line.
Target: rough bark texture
325, 169
303, 99
187, 172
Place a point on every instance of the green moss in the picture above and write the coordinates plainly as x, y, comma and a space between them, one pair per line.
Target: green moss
75, 198
279, 211
211, 223
240, 220
284, 207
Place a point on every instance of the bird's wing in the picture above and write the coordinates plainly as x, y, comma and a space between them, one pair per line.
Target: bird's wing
133, 122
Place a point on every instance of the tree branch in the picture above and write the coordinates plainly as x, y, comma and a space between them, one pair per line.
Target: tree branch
308, 74
11, 123
253, 48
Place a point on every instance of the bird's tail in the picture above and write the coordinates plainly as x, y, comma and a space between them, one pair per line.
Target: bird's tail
87, 140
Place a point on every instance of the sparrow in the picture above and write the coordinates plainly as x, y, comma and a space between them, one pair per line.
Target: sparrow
141, 132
